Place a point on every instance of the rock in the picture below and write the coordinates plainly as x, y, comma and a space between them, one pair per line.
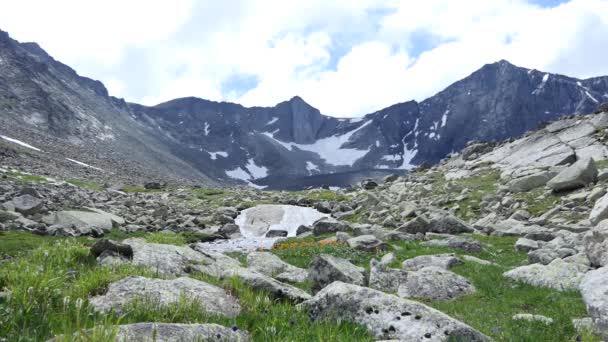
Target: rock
228, 229
477, 260
212, 299
575, 176
594, 289
303, 230
559, 275
27, 204
435, 283
325, 269
446, 223
115, 219
464, 243
328, 225
416, 225
530, 317
383, 278
82, 220
520, 215
445, 261
104, 245
387, 316
172, 332
596, 244
272, 266
527, 183
162, 258
342, 237
369, 184
525, 245
276, 233
153, 186
367, 243
599, 211
547, 255
583, 325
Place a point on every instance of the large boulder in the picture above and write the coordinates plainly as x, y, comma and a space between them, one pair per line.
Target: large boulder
600, 210
596, 244
435, 283
594, 289
446, 223
328, 225
575, 176
384, 278
27, 204
445, 261
389, 317
160, 292
172, 332
82, 220
529, 182
325, 269
367, 243
559, 274
162, 258
272, 266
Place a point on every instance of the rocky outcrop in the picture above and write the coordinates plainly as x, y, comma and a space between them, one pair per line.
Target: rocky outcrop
558, 274
434, 283
325, 269
596, 244
163, 258
577, 175
594, 289
159, 292
388, 316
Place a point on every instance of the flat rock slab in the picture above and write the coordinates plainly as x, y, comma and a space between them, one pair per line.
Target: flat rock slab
163, 258
175, 332
388, 316
82, 219
445, 261
435, 283
594, 289
325, 269
559, 274
211, 298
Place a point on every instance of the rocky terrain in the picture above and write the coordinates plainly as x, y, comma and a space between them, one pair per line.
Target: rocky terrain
47, 105
504, 241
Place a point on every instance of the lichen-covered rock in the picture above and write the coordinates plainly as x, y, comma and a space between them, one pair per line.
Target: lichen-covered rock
173, 332
435, 283
162, 292
594, 289
388, 316
600, 210
596, 244
325, 269
271, 265
368, 243
163, 258
384, 278
445, 261
27, 204
559, 274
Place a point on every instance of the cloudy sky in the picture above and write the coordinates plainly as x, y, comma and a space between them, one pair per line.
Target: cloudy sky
345, 57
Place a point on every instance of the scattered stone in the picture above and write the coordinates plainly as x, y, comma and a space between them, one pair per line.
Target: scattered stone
367, 243
27, 204
387, 316
464, 243
435, 283
600, 210
477, 260
163, 258
529, 317
525, 245
325, 269
328, 225
276, 233
596, 244
383, 278
159, 292
272, 266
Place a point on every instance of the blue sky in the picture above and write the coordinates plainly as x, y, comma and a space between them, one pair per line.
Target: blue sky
345, 57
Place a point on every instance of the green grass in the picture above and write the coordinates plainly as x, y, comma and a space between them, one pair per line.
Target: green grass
601, 164
166, 237
321, 195
138, 188
85, 184
208, 193
13, 243
26, 178
50, 286
480, 186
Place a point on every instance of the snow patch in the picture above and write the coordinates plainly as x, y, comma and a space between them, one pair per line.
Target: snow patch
219, 153
206, 128
238, 173
591, 97
83, 164
19, 142
256, 171
444, 118
272, 121
541, 85
377, 143
329, 149
310, 166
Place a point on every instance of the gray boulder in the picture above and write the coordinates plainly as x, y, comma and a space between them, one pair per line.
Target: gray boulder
159, 292
82, 220
325, 269
435, 283
463, 243
600, 210
27, 204
446, 223
162, 258
594, 289
272, 266
529, 182
445, 261
575, 176
368, 243
596, 244
328, 225
384, 278
559, 274
546, 255
526, 245
388, 316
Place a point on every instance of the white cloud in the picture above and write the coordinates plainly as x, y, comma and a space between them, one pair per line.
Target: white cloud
345, 57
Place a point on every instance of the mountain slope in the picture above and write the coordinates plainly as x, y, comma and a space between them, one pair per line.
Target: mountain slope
205, 141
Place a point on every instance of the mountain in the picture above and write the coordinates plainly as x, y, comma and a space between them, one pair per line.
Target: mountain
192, 139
